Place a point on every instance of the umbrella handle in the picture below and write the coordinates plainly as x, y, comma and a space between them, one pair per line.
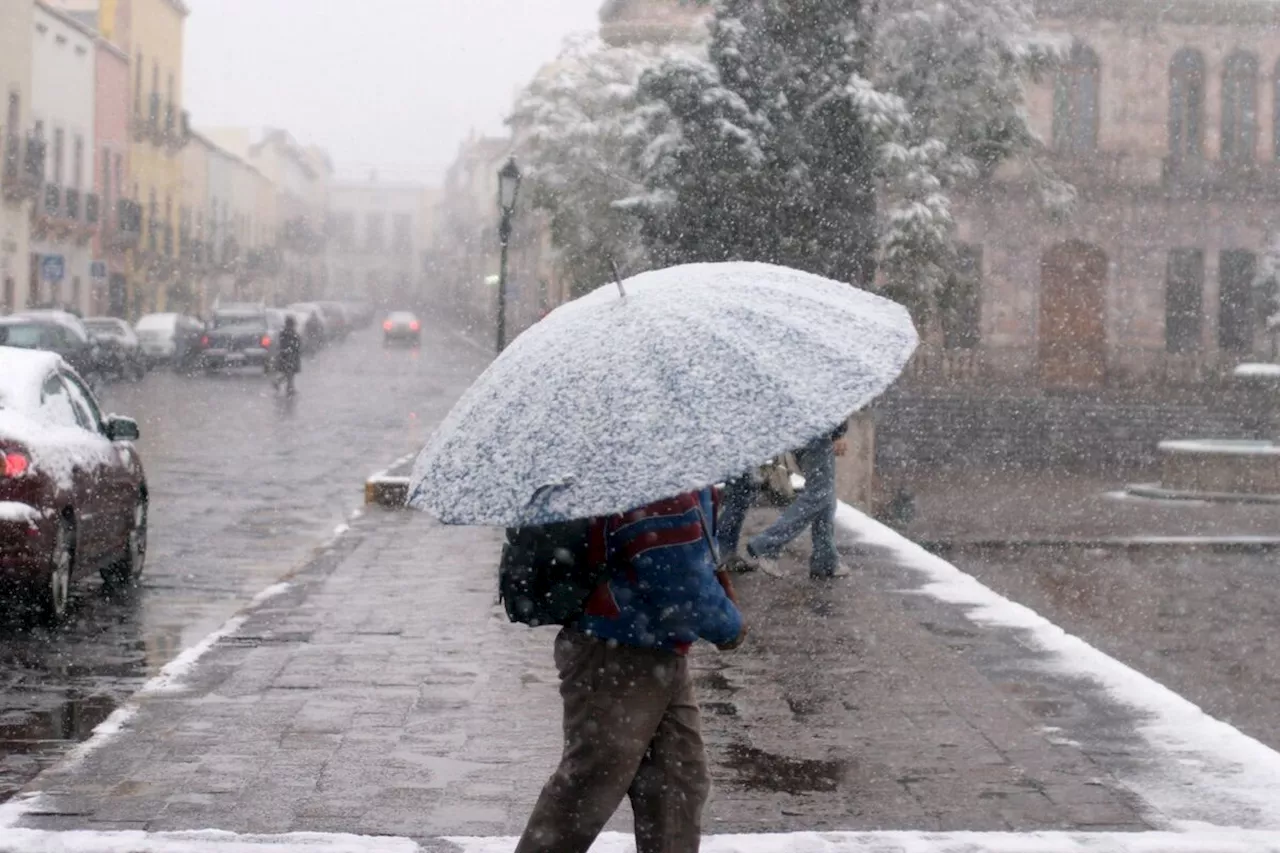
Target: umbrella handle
541, 492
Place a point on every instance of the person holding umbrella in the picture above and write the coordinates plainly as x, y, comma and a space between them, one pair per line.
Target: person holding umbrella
606, 409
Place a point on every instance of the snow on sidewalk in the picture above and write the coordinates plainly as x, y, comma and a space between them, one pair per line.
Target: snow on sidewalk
1200, 768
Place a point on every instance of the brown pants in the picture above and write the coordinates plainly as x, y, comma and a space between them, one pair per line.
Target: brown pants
630, 728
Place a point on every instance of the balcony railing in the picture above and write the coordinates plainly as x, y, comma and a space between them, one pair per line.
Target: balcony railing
128, 225
71, 205
92, 209
177, 130
23, 172
50, 201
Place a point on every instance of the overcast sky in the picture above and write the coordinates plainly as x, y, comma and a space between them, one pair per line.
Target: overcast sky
392, 85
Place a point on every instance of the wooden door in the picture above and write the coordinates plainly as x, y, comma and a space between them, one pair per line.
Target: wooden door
1073, 332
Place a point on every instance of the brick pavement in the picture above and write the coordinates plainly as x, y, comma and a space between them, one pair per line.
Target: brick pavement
384, 693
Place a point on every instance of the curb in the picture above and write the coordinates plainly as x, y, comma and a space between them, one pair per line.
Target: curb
1118, 543
389, 488
386, 492
1154, 491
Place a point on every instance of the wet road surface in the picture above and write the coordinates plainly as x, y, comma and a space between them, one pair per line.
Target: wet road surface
244, 485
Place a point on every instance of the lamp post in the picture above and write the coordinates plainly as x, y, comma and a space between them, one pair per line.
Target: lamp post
508, 191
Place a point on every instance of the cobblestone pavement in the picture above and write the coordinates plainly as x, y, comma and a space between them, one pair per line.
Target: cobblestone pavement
244, 485
384, 693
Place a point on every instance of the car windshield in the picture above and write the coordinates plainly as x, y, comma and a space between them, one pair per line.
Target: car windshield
112, 327
23, 335
221, 321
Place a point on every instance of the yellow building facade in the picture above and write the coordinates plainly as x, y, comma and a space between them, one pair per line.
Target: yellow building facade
151, 32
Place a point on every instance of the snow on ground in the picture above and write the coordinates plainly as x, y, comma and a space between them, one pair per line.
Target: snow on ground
211, 841
1200, 768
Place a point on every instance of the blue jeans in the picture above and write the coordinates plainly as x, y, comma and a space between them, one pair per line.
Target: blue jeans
734, 504
815, 507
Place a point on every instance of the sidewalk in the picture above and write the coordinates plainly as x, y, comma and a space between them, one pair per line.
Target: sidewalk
383, 693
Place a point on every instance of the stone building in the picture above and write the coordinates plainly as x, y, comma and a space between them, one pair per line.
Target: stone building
1165, 119
377, 242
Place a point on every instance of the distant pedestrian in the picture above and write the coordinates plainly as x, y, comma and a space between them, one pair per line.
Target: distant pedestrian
631, 722
814, 508
288, 355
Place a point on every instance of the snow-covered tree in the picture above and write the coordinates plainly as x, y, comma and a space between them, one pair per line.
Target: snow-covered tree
808, 109
573, 130
960, 69
766, 151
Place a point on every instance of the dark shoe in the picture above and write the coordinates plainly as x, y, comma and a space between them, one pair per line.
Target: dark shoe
738, 566
841, 571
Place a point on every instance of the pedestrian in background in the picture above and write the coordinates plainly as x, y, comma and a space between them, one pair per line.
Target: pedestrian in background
289, 355
814, 508
631, 721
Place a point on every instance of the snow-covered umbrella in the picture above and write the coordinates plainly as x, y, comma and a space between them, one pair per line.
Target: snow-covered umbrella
688, 376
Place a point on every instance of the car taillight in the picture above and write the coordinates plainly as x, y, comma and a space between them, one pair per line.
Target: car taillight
415, 326
266, 342
16, 464
204, 341
388, 325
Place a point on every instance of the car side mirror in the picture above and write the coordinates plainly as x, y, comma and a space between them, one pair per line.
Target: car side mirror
122, 429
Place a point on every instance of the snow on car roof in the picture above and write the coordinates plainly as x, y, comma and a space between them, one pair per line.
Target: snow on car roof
157, 321
55, 449
22, 372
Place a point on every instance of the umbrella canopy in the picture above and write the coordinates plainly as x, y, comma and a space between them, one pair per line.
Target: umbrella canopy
696, 374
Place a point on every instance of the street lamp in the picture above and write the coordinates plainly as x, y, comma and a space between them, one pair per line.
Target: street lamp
508, 191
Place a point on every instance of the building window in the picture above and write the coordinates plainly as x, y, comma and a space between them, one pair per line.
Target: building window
14, 117
1236, 270
9, 294
1184, 300
1240, 108
1075, 103
402, 233
59, 144
77, 166
1186, 105
106, 179
137, 87
960, 302
344, 229
375, 226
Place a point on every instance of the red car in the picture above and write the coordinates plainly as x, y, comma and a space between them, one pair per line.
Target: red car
73, 495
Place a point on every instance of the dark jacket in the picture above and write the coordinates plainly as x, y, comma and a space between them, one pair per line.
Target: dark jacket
289, 359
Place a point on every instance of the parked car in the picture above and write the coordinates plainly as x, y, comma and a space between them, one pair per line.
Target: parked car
73, 493
401, 327
336, 320
239, 336
43, 330
120, 353
169, 338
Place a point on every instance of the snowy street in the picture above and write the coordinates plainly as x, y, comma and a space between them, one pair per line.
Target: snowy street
380, 693
244, 486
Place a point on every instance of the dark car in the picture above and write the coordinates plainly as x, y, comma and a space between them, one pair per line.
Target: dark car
239, 336
73, 494
401, 327
46, 331
120, 352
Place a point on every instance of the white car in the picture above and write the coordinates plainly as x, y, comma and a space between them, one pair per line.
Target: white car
172, 338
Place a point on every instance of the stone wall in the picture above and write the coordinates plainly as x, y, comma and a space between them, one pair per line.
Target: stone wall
1085, 431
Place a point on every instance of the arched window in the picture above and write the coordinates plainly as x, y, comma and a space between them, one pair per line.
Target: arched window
1186, 105
1075, 103
1240, 108
1275, 115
